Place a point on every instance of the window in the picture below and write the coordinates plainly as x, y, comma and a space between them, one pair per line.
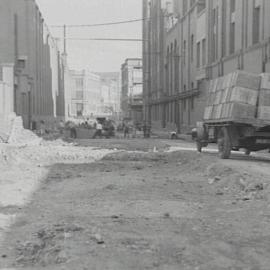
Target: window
192, 103
232, 38
79, 109
185, 6
214, 34
79, 83
192, 48
201, 5
184, 104
79, 94
232, 6
192, 86
176, 67
198, 54
256, 25
184, 52
204, 52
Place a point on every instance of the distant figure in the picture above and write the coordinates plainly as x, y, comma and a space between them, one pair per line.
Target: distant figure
98, 131
146, 130
34, 125
73, 132
126, 130
42, 128
61, 127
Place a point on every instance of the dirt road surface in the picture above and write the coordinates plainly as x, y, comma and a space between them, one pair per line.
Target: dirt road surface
144, 207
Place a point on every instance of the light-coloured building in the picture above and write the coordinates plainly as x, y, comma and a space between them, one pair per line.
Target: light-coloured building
132, 91
86, 98
110, 92
189, 42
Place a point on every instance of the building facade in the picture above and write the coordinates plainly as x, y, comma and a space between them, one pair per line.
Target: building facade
199, 40
132, 91
86, 99
39, 70
110, 92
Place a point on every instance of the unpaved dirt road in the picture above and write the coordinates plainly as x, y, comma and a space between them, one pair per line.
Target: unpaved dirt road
145, 210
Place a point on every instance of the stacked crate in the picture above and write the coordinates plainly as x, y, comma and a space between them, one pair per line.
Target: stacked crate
233, 97
264, 98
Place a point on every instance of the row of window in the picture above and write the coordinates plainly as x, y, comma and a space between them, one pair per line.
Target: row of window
201, 51
171, 111
256, 16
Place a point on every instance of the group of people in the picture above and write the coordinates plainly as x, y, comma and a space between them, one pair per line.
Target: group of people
104, 128
130, 129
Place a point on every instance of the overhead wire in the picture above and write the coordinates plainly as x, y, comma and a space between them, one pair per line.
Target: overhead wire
100, 24
105, 24
106, 39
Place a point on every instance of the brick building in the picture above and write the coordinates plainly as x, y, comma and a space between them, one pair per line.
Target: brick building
38, 68
187, 43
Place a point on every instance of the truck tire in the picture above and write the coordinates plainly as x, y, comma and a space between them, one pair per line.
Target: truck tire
224, 143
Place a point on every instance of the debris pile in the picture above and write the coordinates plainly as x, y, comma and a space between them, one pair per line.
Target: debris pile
227, 180
21, 136
47, 246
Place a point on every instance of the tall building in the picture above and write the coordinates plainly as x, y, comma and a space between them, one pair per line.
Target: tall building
132, 91
198, 40
38, 69
86, 94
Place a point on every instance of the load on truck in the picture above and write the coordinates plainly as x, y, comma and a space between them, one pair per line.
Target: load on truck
237, 114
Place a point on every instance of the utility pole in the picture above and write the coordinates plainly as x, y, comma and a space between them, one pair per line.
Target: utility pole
65, 39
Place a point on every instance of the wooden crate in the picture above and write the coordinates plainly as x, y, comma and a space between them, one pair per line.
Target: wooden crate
238, 111
265, 81
246, 80
264, 97
226, 94
216, 112
213, 86
227, 82
217, 98
208, 113
263, 113
220, 81
210, 99
244, 95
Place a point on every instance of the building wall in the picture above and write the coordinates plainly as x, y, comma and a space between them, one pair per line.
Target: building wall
86, 94
210, 38
110, 92
6, 90
26, 42
132, 89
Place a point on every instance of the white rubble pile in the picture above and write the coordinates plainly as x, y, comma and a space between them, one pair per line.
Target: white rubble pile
21, 136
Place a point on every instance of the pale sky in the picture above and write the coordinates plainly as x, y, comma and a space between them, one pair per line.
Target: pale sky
98, 56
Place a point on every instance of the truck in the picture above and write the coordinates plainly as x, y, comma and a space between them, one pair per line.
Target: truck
237, 114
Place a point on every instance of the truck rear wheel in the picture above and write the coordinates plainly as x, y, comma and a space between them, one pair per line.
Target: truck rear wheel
224, 143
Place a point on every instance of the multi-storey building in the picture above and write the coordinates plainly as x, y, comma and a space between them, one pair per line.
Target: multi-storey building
132, 92
86, 94
110, 92
198, 40
39, 71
